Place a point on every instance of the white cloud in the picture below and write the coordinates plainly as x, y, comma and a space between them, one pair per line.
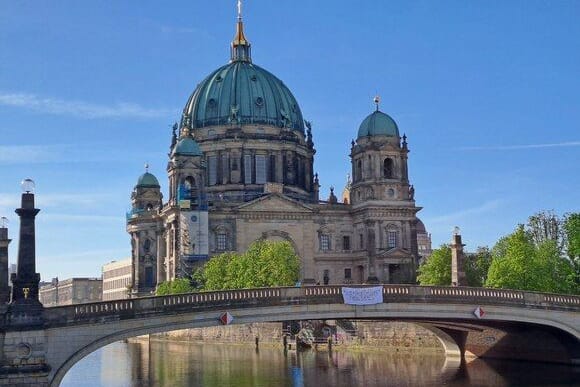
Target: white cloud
462, 214
57, 199
525, 146
79, 108
18, 154
59, 153
82, 218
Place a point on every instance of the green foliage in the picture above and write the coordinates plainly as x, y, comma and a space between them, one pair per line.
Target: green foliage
436, 270
572, 231
546, 226
265, 264
520, 261
477, 266
177, 286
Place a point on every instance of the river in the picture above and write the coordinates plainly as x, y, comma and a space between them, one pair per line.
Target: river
167, 363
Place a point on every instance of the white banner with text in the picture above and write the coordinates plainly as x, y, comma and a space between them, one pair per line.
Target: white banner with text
363, 296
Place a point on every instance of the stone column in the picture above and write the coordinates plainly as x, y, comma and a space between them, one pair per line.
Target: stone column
25, 280
4, 288
458, 277
161, 254
371, 251
25, 310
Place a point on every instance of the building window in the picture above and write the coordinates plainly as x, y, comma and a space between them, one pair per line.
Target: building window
272, 169
326, 277
388, 168
358, 170
212, 169
149, 276
147, 246
260, 169
347, 274
221, 241
391, 239
325, 242
247, 169
225, 169
361, 240
346, 242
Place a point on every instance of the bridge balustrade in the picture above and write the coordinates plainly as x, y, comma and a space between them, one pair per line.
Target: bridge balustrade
146, 306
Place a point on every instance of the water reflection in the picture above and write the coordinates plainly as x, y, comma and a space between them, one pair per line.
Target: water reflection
162, 363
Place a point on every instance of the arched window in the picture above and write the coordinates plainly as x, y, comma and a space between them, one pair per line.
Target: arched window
147, 245
392, 236
359, 170
388, 168
221, 240
324, 242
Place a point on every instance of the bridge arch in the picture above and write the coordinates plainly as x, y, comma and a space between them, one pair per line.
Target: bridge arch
75, 331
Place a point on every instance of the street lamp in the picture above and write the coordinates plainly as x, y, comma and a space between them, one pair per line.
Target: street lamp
27, 186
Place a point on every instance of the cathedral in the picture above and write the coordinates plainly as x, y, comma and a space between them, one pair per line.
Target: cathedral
241, 169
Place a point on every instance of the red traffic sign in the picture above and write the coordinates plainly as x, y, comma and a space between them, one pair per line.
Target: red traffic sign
226, 318
479, 312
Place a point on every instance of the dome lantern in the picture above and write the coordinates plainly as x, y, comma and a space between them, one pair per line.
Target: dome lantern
241, 47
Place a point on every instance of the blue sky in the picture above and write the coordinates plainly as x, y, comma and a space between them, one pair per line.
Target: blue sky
488, 94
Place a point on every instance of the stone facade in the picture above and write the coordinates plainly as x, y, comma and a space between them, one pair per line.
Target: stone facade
117, 279
71, 291
241, 168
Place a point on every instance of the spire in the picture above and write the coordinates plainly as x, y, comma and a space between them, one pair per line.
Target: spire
240, 50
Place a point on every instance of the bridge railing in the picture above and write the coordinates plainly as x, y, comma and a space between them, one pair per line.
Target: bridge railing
142, 307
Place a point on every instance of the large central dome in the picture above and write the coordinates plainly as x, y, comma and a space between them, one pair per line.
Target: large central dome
242, 93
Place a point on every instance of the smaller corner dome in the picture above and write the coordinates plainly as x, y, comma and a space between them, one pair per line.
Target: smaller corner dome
421, 227
187, 146
378, 124
147, 180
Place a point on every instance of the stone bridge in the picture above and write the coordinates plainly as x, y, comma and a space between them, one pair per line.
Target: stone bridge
526, 325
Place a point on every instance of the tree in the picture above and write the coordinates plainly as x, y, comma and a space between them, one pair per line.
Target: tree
436, 270
572, 230
265, 264
477, 266
546, 226
177, 286
522, 262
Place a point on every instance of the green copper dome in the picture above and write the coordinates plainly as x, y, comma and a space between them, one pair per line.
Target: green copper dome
378, 124
187, 146
147, 180
242, 93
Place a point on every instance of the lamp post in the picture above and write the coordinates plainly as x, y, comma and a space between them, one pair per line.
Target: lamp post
26, 309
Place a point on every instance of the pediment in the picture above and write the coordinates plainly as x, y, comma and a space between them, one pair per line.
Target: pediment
396, 252
274, 203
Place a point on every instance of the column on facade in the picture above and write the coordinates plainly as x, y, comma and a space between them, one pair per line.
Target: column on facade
137, 262
159, 275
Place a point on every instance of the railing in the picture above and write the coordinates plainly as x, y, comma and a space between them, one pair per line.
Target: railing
242, 298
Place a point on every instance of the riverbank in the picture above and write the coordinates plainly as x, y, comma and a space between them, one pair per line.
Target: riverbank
397, 337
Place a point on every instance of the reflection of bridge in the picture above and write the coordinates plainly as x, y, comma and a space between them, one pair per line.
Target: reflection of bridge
532, 326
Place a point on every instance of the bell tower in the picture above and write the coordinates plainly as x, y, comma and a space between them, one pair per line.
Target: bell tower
382, 199
145, 228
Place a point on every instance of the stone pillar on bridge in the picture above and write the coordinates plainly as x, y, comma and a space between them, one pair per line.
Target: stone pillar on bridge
458, 277
4, 242
22, 337
25, 309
